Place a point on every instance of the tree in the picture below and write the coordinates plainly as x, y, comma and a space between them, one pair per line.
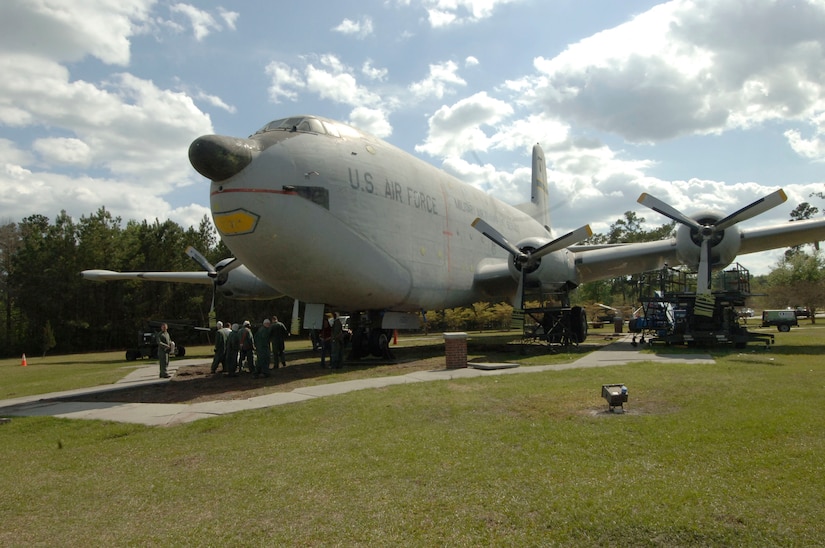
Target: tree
48, 341
800, 212
9, 244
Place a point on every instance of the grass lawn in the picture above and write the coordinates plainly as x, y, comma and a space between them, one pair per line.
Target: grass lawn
723, 454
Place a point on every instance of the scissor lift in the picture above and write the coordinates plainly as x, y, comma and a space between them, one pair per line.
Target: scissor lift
673, 313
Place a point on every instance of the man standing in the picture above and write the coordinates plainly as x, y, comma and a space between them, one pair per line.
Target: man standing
262, 336
279, 333
337, 359
221, 336
247, 347
326, 341
233, 346
164, 350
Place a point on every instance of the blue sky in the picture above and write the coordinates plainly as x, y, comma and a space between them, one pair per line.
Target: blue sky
704, 104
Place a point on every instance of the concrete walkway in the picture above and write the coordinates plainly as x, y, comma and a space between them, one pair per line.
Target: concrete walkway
169, 414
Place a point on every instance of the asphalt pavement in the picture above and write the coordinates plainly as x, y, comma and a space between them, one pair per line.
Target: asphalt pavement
618, 352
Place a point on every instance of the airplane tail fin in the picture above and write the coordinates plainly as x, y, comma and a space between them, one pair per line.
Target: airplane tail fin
538, 207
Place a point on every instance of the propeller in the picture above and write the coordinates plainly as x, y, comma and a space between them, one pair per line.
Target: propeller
526, 259
709, 230
217, 273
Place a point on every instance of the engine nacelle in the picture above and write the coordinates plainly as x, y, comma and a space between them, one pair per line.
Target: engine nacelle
724, 244
240, 283
551, 271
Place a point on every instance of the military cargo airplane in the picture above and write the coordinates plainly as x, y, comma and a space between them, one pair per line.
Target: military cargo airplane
327, 214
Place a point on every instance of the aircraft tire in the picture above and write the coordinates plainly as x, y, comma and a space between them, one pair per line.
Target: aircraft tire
132, 355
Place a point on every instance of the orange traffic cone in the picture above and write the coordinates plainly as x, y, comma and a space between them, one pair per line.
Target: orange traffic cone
23, 363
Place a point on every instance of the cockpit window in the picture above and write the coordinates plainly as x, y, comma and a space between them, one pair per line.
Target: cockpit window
300, 123
310, 124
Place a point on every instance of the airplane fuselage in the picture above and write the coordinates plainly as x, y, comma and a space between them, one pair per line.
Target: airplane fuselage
357, 223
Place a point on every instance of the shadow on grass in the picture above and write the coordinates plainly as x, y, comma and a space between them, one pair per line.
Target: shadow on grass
194, 383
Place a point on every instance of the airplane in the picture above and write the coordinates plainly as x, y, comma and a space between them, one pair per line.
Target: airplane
327, 214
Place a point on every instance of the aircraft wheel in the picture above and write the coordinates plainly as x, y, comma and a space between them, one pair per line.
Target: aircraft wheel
180, 351
578, 324
131, 355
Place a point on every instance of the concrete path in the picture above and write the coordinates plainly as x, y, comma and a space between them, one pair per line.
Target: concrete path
169, 414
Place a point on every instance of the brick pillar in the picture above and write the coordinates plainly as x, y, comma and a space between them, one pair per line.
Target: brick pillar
455, 346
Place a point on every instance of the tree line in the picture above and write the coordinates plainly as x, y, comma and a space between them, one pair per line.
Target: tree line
47, 306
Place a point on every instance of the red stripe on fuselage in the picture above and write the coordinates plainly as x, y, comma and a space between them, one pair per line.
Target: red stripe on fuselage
254, 191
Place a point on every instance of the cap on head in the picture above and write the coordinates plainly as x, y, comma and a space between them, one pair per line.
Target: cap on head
219, 325
267, 323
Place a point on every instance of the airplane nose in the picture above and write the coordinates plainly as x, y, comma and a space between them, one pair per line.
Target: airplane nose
218, 157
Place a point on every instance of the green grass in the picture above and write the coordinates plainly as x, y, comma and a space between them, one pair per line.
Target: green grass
724, 454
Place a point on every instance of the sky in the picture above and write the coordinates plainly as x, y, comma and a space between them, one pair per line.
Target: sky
706, 104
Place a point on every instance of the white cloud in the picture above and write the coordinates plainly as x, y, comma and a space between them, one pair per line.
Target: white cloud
216, 101
685, 67
436, 83
471, 61
202, 22
443, 13
334, 81
285, 81
125, 128
69, 31
371, 120
360, 29
327, 76
374, 73
229, 17
61, 150
458, 129
11, 154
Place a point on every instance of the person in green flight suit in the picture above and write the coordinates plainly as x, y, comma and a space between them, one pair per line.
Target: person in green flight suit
262, 345
221, 336
279, 333
164, 350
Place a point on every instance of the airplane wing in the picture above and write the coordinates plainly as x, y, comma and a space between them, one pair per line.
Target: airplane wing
610, 262
180, 277
781, 235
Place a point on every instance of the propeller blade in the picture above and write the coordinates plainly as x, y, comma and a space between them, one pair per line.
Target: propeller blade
571, 238
749, 211
704, 270
659, 206
227, 265
496, 237
201, 260
518, 298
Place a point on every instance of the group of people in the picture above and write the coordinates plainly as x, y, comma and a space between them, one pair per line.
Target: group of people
238, 348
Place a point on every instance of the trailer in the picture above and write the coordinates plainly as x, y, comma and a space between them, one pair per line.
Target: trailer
147, 338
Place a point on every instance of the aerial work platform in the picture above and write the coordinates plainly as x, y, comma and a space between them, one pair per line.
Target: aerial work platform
673, 313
